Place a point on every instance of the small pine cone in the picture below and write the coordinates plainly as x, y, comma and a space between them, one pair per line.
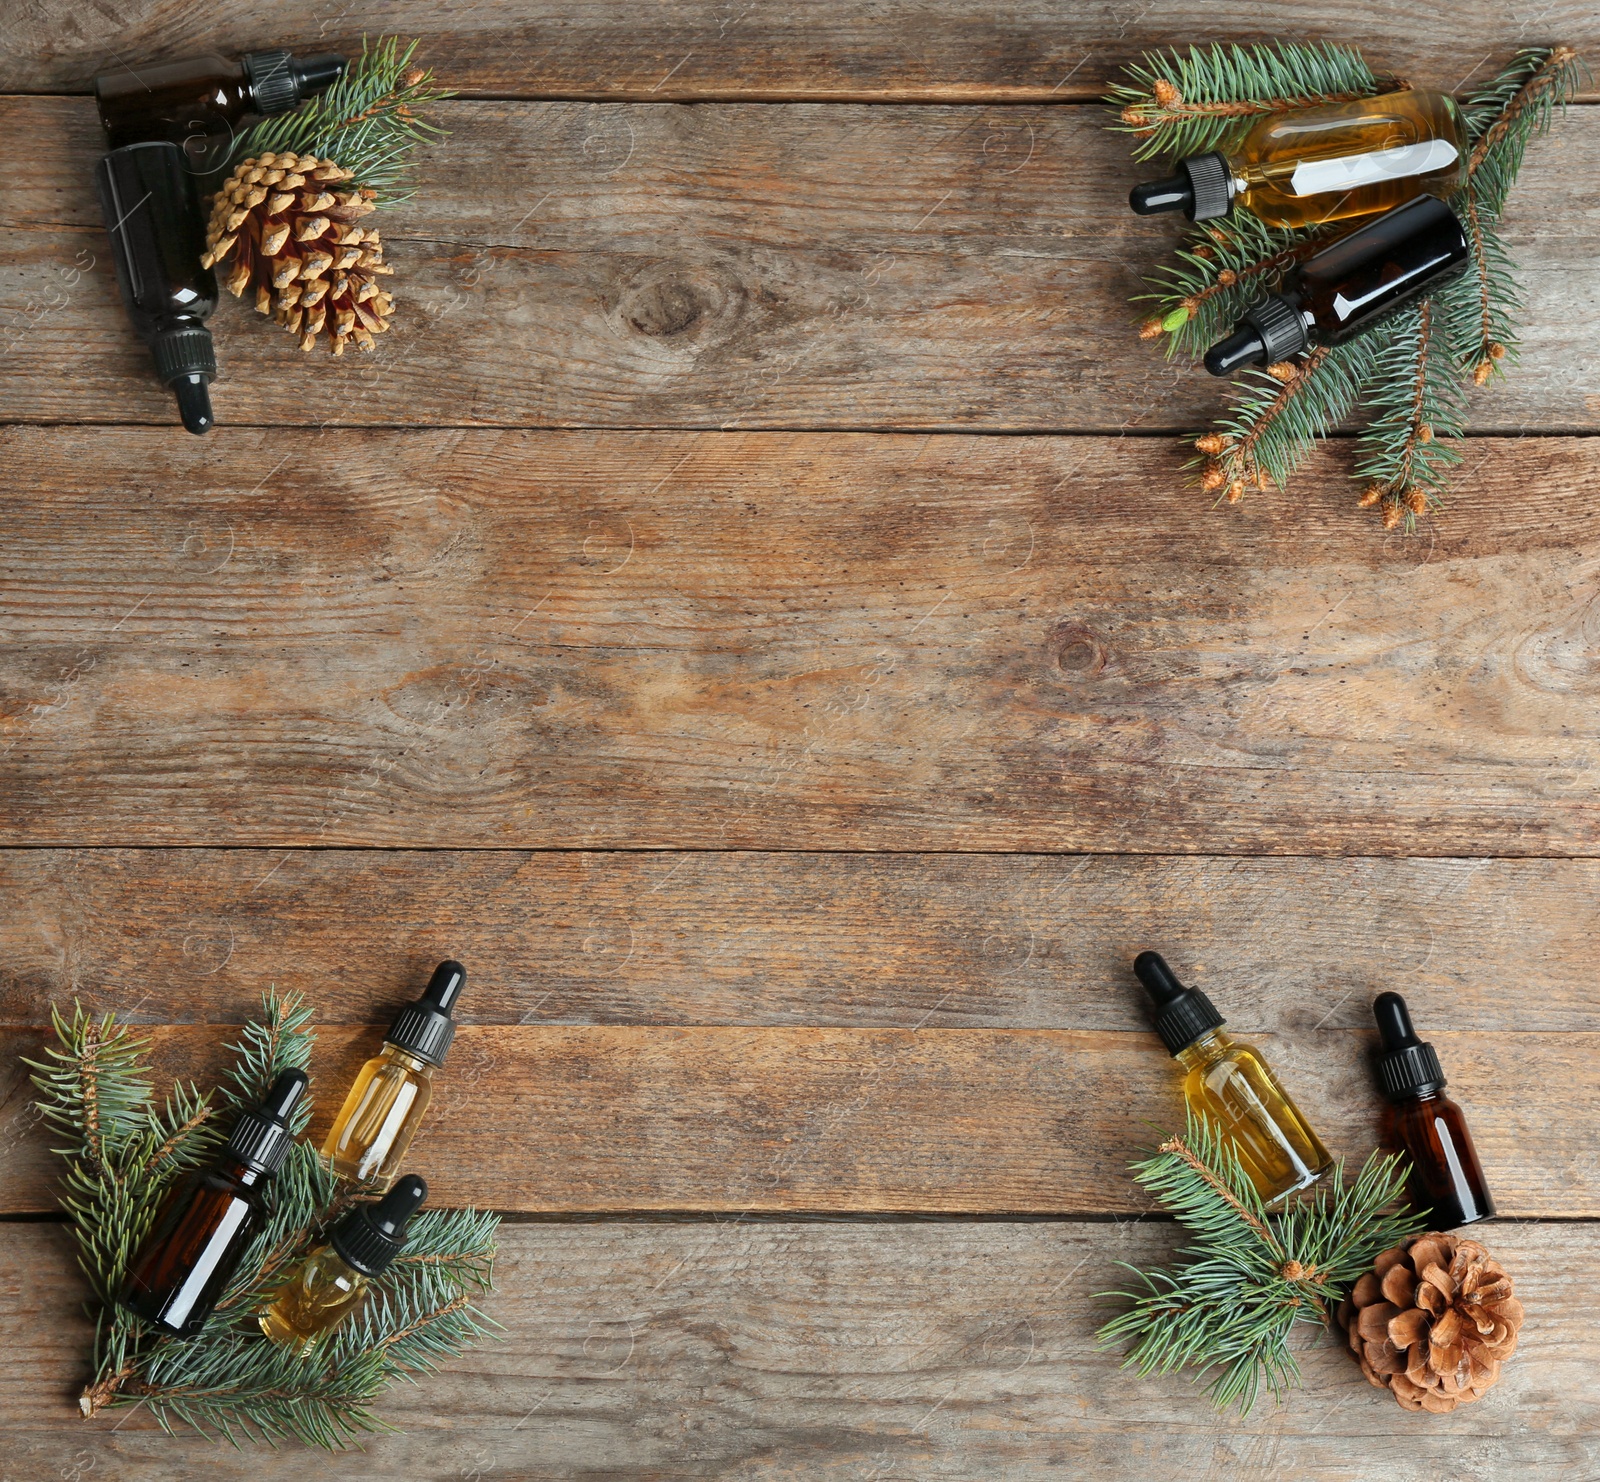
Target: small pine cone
1134, 117
1204, 253
1263, 481
1497, 352
1227, 278
1482, 371
1235, 492
1391, 514
1165, 93
1424, 433
1433, 1322
1212, 477
1212, 443
288, 224
1370, 496
1283, 370
1417, 502
1150, 329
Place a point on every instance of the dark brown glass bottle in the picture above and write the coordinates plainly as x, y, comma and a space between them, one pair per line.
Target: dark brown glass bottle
1447, 1180
202, 98
208, 1219
1349, 286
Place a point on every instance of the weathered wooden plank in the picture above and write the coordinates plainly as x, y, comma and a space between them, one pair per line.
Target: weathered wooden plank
1286, 945
757, 641
824, 49
575, 264
606, 1119
746, 1350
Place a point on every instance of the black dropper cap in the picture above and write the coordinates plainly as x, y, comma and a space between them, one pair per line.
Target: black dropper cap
261, 1138
425, 1028
1270, 330
1201, 188
152, 211
372, 1235
279, 81
1182, 1014
1407, 1065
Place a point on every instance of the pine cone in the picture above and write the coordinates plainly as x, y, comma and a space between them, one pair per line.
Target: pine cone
295, 238
1433, 1321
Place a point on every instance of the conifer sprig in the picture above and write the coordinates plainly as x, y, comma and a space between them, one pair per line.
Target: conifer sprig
1186, 104
369, 121
123, 1152
1229, 1306
1411, 374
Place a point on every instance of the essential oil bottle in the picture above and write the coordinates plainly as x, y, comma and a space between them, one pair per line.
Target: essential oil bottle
380, 1116
152, 211
1308, 165
200, 99
1229, 1084
1351, 285
331, 1282
1446, 1178
208, 1219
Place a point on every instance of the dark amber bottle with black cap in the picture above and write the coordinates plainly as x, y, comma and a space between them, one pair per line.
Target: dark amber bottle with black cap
199, 99
1349, 286
152, 211
1231, 1086
331, 1282
1447, 1180
381, 1114
208, 1219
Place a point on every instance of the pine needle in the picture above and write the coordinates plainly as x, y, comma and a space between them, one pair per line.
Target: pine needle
369, 121
123, 1153
1230, 1305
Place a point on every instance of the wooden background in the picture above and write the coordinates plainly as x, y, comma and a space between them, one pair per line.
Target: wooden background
752, 613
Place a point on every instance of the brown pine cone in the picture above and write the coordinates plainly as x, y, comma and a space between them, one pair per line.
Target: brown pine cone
293, 236
1433, 1321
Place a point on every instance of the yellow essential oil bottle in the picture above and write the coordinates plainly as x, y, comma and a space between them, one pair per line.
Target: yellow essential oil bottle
379, 1117
330, 1283
1303, 166
1231, 1086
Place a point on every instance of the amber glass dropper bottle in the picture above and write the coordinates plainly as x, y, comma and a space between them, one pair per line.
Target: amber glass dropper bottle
1302, 166
330, 1283
1355, 282
381, 1114
1231, 1086
208, 1219
208, 97
1446, 1178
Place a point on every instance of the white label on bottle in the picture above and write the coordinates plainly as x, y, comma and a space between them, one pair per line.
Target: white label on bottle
1317, 177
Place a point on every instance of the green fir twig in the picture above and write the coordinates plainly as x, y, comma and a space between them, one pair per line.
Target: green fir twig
369, 121
1229, 1306
124, 1151
1409, 377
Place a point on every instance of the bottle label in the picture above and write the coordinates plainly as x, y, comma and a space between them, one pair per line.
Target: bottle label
1316, 177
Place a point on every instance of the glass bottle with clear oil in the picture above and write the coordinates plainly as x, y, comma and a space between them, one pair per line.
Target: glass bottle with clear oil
392, 1091
1447, 1182
1231, 1086
332, 1281
1304, 166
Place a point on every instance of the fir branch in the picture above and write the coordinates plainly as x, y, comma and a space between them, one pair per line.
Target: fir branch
369, 121
1517, 106
123, 1152
1418, 400
1277, 416
1229, 1307
1182, 105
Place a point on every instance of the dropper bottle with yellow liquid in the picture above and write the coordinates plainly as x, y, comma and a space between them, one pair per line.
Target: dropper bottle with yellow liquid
1232, 1087
385, 1106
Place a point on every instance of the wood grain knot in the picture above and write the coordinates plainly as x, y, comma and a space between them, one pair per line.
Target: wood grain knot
679, 308
1079, 654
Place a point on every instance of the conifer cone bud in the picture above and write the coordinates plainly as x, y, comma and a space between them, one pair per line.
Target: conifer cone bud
1150, 329
288, 224
1433, 1322
1283, 370
1212, 443
1391, 513
1417, 502
1165, 93
1235, 492
1370, 496
1425, 433
1212, 477
1482, 371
